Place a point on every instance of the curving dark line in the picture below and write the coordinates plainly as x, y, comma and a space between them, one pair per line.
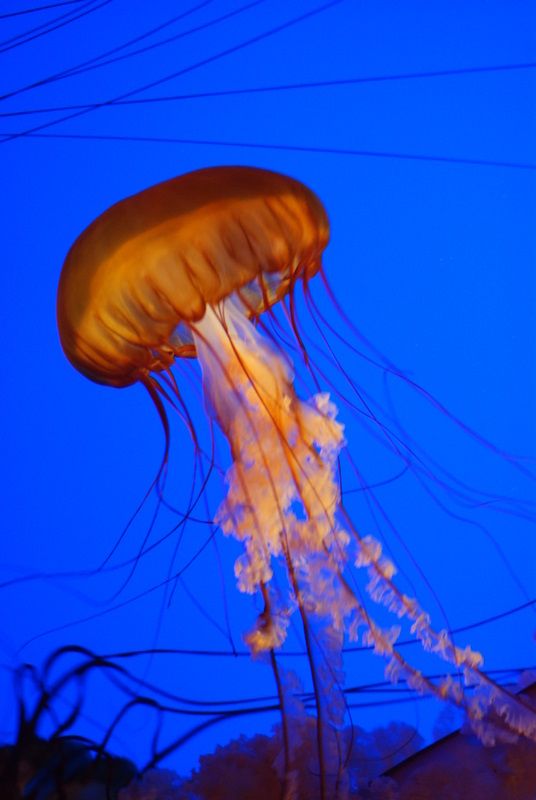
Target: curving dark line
336, 151
185, 70
169, 580
38, 8
203, 26
93, 63
18, 41
403, 76
43, 25
300, 653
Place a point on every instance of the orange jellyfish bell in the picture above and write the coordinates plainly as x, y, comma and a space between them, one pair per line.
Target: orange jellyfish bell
156, 259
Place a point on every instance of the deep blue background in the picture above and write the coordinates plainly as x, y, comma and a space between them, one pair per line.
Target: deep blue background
430, 186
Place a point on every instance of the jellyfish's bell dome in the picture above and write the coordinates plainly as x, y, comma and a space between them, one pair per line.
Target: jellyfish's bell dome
149, 265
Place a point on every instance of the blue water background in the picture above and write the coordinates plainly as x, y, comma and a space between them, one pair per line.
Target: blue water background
429, 181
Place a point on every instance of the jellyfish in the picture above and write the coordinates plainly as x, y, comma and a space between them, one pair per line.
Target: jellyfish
190, 268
